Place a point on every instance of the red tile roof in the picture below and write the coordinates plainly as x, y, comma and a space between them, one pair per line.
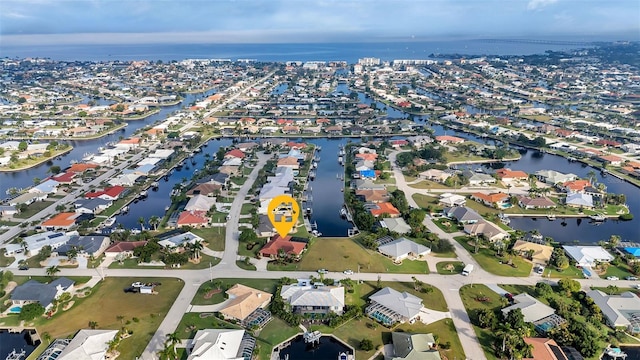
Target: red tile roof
448, 138
64, 219
192, 218
510, 174
235, 153
385, 208
125, 246
65, 178
113, 191
491, 198
277, 242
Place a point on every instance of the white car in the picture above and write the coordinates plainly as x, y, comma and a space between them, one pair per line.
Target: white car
348, 272
614, 278
323, 271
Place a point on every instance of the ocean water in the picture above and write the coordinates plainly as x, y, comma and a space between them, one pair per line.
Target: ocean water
349, 52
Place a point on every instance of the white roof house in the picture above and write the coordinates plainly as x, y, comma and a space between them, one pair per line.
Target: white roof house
124, 180
579, 200
619, 310
397, 225
47, 187
449, 199
389, 305
88, 345
314, 299
200, 203
532, 309
180, 239
36, 242
220, 344
402, 248
587, 255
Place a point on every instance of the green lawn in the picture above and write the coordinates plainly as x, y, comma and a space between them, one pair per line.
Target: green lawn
490, 262
6, 260
33, 209
425, 201
267, 285
111, 301
428, 184
450, 267
213, 236
348, 254
469, 295
246, 209
621, 271
571, 272
192, 322
204, 262
275, 332
447, 225
245, 266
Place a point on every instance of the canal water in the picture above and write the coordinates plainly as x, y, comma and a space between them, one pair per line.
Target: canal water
328, 349
157, 200
24, 178
14, 341
327, 190
633, 352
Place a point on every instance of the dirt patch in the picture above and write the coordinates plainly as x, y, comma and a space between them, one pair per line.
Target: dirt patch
10, 286
210, 294
68, 305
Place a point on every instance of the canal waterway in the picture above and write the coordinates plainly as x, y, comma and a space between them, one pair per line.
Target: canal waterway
157, 200
328, 349
14, 341
24, 178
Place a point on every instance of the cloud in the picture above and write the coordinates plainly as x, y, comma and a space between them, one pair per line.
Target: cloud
539, 4
16, 15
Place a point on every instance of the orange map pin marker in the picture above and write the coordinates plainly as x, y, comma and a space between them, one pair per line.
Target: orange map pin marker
283, 211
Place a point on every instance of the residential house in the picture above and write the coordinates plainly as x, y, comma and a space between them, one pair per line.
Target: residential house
63, 220
27, 199
621, 310
451, 200
373, 196
176, 239
509, 176
553, 177
265, 227
382, 208
235, 153
193, 218
462, 214
447, 139
610, 159
200, 203
545, 349
290, 162
123, 248
86, 344
206, 189
306, 298
435, 175
48, 186
541, 202
390, 306
486, 229
575, 186
396, 225
36, 292
90, 245
413, 347
287, 245
110, 193
403, 248
221, 344
542, 316
36, 242
242, 303
496, 200
539, 254
229, 170
476, 178
366, 184
579, 200
91, 206
588, 256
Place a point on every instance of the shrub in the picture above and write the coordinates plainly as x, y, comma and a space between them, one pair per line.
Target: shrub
626, 217
31, 311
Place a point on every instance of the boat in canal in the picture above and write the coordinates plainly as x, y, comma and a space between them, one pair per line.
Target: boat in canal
14, 355
109, 222
597, 217
615, 353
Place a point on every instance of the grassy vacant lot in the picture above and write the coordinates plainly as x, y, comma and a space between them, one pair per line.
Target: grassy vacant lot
447, 225
213, 236
268, 285
621, 271
428, 184
346, 253
108, 301
33, 209
6, 260
425, 201
571, 272
469, 295
192, 322
489, 261
449, 267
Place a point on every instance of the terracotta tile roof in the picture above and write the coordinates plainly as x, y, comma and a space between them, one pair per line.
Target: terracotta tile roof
374, 195
243, 300
491, 198
511, 174
277, 242
448, 138
235, 153
192, 217
542, 349
385, 208
367, 156
65, 178
81, 167
132, 141
577, 185
125, 246
288, 161
64, 219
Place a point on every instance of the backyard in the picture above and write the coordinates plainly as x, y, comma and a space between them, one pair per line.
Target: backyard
493, 263
140, 313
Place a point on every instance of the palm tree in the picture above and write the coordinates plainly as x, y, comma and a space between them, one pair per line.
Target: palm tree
52, 271
46, 336
120, 318
173, 339
93, 324
141, 221
196, 247
72, 254
154, 221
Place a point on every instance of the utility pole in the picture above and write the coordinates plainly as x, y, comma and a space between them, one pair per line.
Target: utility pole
210, 272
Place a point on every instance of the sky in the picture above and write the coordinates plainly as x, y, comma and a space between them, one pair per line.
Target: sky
33, 22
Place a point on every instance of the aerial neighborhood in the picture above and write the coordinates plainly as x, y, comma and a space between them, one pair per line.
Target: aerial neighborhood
447, 208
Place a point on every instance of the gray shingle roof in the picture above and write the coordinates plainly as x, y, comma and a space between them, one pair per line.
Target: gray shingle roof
37, 291
402, 303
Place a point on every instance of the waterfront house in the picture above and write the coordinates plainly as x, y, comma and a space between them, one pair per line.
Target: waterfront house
109, 193
229, 170
541, 202
403, 248
366, 184
462, 214
575, 186
124, 180
373, 196
217, 178
396, 225
538, 253
235, 153
193, 218
448, 139
220, 344
91, 206
621, 310
496, 200
289, 162
123, 248
48, 186
319, 299
36, 292
475, 178
579, 200
287, 245
207, 189
390, 306
610, 159
486, 229
382, 208
200, 203
234, 161
413, 347
60, 221
8, 210
243, 302
553, 177
508, 175
419, 141
64, 178
587, 256
27, 199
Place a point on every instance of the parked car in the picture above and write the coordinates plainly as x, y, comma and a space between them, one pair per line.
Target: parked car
323, 271
632, 278
614, 278
23, 267
539, 270
348, 272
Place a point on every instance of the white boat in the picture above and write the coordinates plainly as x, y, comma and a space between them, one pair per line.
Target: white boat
343, 356
597, 217
14, 355
551, 217
616, 353
110, 221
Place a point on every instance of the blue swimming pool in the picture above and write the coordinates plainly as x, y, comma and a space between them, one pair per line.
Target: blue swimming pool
15, 309
586, 272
